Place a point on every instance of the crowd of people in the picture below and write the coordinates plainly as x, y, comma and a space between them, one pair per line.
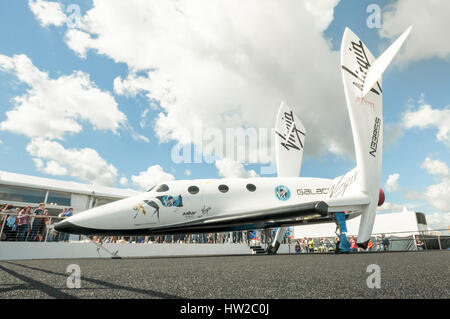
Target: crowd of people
325, 245
236, 237
28, 224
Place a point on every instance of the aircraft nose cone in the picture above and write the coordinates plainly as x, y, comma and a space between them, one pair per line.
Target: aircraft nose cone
67, 227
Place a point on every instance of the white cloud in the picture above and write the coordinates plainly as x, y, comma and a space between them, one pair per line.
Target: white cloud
438, 194
187, 172
124, 181
132, 85
430, 27
425, 116
435, 167
54, 168
323, 11
224, 63
47, 12
152, 176
39, 163
392, 182
231, 169
52, 108
85, 164
438, 220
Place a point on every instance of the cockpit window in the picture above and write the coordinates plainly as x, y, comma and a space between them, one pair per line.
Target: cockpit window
162, 188
251, 187
223, 188
193, 190
151, 189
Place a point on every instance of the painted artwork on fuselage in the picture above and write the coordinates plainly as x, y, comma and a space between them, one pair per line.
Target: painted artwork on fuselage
147, 212
282, 192
171, 201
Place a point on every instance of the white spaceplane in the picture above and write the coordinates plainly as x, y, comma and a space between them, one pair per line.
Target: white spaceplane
217, 205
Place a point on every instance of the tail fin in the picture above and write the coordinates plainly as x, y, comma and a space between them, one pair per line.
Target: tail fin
360, 71
381, 64
290, 141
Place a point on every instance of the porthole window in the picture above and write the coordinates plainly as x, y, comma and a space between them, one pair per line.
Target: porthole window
193, 190
162, 188
223, 188
251, 187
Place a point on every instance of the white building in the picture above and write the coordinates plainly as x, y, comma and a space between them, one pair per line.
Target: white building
401, 224
23, 190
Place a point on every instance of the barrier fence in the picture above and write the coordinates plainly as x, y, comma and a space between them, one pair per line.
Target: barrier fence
39, 228
29, 227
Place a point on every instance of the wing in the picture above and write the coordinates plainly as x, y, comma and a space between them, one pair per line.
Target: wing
306, 213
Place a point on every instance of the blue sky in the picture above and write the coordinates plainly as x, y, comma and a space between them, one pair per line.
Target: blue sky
415, 79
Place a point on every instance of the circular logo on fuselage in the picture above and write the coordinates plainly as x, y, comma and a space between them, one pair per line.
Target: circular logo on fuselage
282, 192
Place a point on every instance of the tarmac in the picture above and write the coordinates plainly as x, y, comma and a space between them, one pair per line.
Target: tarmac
303, 276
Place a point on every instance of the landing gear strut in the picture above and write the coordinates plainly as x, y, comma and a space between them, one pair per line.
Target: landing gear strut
340, 219
275, 244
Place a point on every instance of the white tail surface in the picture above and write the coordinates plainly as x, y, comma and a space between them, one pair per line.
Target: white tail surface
366, 118
381, 64
289, 142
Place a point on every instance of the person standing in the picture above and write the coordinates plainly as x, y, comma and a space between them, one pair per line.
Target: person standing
8, 223
297, 246
43, 230
311, 245
386, 242
369, 245
38, 223
353, 245
338, 242
23, 225
303, 249
65, 214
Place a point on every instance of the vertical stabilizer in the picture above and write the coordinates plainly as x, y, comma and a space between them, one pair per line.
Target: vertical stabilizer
366, 117
289, 142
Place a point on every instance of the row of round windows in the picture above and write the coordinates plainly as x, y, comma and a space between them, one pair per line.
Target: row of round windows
194, 189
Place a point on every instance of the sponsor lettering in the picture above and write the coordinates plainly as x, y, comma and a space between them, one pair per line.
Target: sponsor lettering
205, 210
375, 134
291, 140
195, 214
309, 191
189, 214
341, 186
363, 62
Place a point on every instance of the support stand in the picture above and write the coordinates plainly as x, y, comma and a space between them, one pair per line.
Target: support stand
275, 244
344, 245
100, 246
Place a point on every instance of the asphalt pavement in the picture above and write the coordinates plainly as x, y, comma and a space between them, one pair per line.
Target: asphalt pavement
402, 275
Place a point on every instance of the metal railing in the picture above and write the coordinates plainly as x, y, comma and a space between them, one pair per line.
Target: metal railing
412, 240
29, 227
39, 228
